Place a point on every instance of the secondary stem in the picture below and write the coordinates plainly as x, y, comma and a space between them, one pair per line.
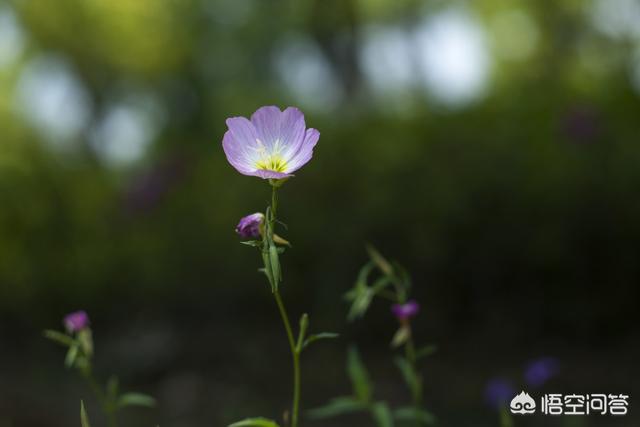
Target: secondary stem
101, 396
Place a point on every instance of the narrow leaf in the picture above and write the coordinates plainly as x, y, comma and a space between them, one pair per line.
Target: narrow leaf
379, 260
400, 337
381, 414
321, 336
358, 375
112, 388
84, 418
255, 422
338, 406
72, 354
415, 414
254, 243
409, 375
425, 351
275, 265
136, 399
58, 337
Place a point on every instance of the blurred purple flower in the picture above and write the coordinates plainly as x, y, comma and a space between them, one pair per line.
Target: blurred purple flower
76, 321
582, 124
540, 371
147, 190
273, 145
499, 392
405, 311
250, 226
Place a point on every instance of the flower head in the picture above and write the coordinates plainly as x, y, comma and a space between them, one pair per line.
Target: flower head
250, 226
406, 310
540, 371
498, 392
76, 321
272, 145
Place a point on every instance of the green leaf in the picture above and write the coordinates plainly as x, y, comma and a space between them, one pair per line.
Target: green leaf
360, 303
381, 283
72, 354
84, 418
136, 399
414, 414
302, 332
254, 243
267, 269
338, 406
58, 337
401, 336
505, 418
255, 422
320, 336
425, 351
409, 374
403, 275
379, 260
86, 342
112, 388
359, 376
274, 261
381, 414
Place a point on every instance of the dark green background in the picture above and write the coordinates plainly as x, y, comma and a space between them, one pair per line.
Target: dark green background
517, 214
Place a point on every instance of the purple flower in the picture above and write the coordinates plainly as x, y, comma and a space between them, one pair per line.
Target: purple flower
540, 371
76, 321
499, 392
405, 311
249, 226
272, 145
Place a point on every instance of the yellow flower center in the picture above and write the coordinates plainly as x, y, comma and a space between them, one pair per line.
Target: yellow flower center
270, 161
273, 163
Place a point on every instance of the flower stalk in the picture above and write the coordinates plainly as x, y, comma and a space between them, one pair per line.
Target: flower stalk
275, 278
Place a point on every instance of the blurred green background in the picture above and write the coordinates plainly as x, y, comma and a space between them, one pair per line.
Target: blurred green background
493, 147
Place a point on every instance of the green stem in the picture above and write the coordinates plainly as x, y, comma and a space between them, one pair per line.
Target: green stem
295, 354
107, 407
295, 350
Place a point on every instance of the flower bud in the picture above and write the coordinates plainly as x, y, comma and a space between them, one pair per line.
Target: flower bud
76, 321
250, 227
405, 311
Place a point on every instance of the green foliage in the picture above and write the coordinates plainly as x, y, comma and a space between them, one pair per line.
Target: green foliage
409, 375
339, 406
320, 336
135, 399
426, 351
401, 336
58, 337
255, 422
411, 413
382, 414
84, 418
359, 376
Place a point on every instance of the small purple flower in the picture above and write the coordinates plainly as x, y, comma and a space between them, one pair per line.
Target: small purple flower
76, 321
499, 392
250, 226
540, 371
272, 145
406, 310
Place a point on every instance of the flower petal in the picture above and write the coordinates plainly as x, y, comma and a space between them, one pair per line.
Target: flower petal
266, 121
292, 132
304, 152
237, 155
